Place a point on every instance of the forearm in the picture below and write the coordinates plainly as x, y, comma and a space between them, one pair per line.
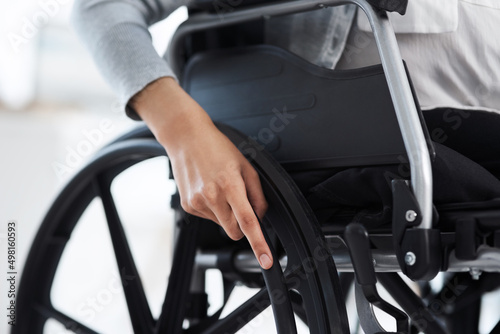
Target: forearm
214, 179
171, 114
116, 34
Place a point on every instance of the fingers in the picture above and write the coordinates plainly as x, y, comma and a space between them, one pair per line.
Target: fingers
254, 191
197, 208
210, 203
227, 220
249, 225
232, 199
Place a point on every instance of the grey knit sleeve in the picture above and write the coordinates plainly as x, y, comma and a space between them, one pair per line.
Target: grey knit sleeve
116, 34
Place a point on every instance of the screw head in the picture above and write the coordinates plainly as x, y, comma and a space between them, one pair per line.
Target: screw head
410, 258
475, 273
410, 216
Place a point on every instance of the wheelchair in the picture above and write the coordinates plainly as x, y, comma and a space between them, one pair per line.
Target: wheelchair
292, 119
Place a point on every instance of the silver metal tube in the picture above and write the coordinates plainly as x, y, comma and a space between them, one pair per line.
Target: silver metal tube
390, 56
246, 262
488, 260
406, 112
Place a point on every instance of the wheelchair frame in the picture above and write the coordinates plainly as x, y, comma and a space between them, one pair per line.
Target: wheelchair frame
404, 105
413, 136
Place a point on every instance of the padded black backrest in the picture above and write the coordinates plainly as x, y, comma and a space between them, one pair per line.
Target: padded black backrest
306, 116
229, 5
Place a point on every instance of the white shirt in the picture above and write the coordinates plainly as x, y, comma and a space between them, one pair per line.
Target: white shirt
451, 47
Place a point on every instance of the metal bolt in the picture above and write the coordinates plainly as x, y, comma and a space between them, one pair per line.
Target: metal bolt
410, 258
475, 273
410, 216
321, 5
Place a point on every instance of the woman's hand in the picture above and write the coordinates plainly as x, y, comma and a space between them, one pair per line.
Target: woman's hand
215, 180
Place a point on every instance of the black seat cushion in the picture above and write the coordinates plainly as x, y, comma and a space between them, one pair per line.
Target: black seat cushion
391, 5
364, 194
473, 133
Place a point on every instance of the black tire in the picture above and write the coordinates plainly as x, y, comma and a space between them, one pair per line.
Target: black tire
309, 285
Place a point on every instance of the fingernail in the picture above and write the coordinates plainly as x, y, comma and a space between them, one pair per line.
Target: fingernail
265, 261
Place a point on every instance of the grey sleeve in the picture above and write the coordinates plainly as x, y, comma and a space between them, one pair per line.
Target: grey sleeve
116, 34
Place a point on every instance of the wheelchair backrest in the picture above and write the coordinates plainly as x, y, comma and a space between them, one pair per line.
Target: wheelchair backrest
215, 5
308, 117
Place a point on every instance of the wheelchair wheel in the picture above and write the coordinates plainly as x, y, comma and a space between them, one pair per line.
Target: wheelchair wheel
308, 287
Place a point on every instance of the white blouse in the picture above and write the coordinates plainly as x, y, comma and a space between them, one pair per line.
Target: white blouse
451, 47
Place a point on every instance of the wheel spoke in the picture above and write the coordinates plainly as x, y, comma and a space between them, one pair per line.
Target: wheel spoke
412, 304
138, 307
496, 329
297, 305
208, 322
242, 315
174, 305
297, 279
69, 323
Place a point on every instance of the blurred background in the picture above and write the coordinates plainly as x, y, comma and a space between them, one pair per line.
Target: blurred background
51, 98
